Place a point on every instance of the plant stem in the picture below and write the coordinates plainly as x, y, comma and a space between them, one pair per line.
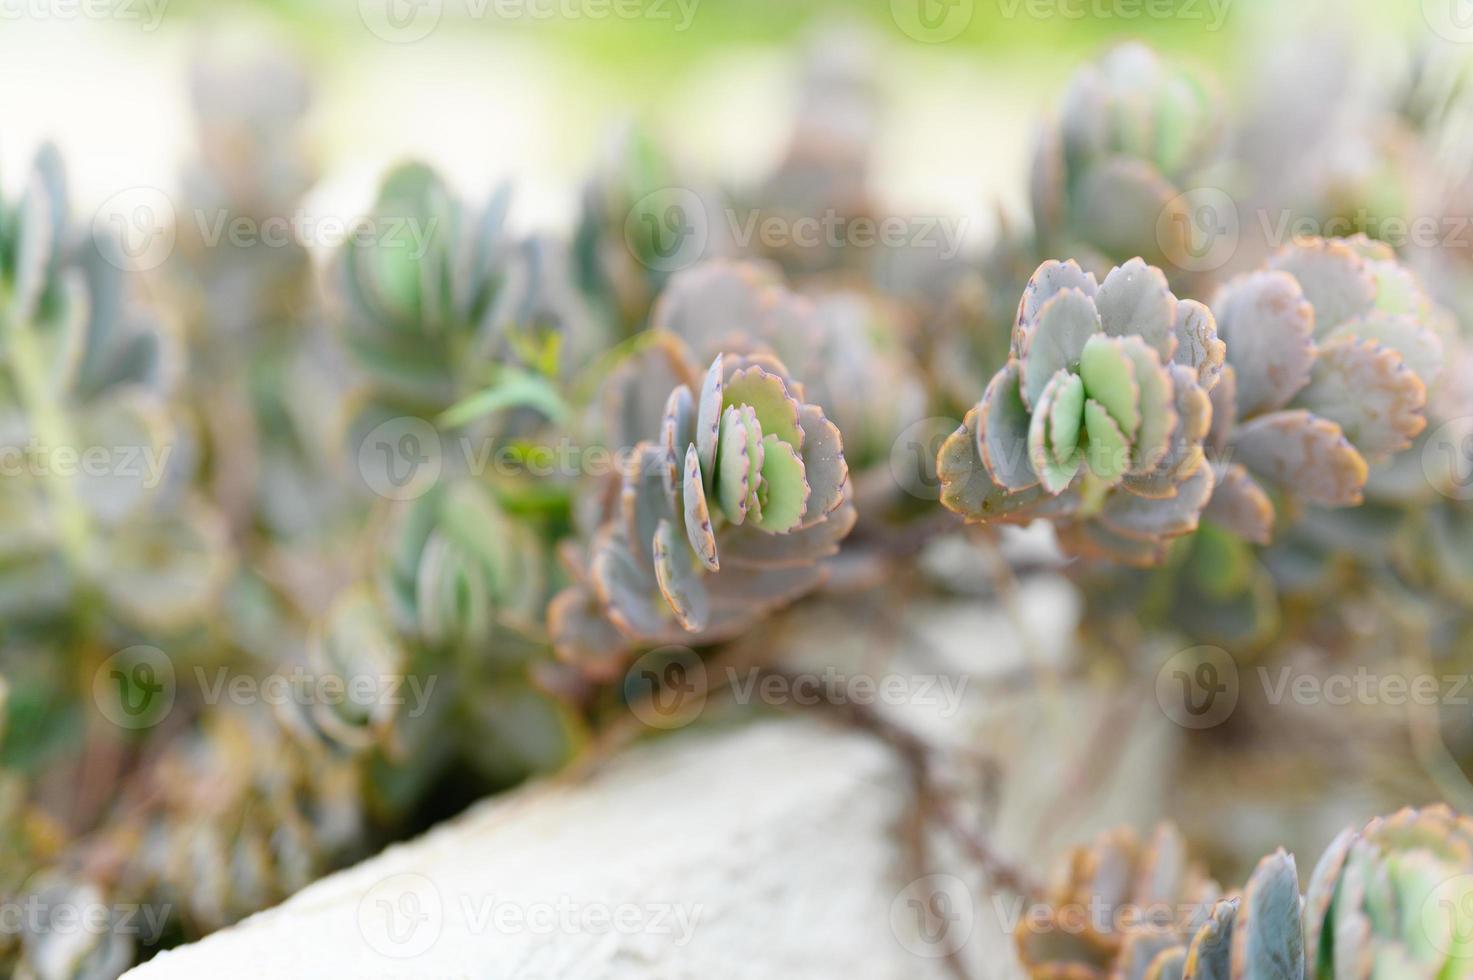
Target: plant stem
52, 430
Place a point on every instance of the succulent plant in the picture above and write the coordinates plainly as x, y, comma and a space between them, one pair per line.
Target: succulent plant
418, 292
724, 518
846, 344
95, 494
1393, 899
1098, 419
1133, 910
1108, 175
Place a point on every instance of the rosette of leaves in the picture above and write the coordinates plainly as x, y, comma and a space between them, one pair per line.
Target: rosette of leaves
1393, 899
724, 518
1331, 351
418, 291
1129, 909
847, 343
95, 488
1108, 174
1097, 420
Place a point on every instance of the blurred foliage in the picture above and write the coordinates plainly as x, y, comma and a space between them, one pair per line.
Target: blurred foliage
472, 473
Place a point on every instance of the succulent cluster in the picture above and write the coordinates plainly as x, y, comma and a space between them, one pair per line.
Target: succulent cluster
1108, 175
1098, 419
89, 378
726, 516
754, 398
1387, 901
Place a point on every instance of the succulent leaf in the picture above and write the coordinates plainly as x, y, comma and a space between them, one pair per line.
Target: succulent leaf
1109, 373
785, 488
1268, 327
679, 583
1336, 280
1371, 393
1002, 429
1064, 392
1135, 300
1267, 939
1240, 505
1065, 325
776, 410
1309, 455
1198, 345
1108, 452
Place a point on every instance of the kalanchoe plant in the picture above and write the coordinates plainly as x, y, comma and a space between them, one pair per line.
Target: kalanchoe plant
1132, 910
1108, 175
846, 344
1098, 418
723, 518
1330, 354
1393, 899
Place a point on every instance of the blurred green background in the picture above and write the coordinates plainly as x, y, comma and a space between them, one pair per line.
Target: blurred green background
488, 95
